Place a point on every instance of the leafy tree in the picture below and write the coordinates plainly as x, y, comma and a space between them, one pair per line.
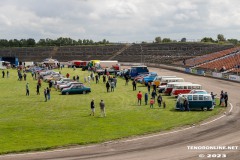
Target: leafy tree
166, 40
233, 41
158, 40
207, 39
220, 37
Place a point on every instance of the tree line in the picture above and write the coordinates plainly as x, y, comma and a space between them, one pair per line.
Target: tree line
61, 41
220, 39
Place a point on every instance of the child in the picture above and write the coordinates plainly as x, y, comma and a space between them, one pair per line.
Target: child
151, 102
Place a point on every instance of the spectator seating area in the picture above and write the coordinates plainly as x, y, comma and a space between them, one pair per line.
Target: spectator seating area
228, 62
209, 57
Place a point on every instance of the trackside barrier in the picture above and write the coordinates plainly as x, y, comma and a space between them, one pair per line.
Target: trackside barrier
217, 75
200, 72
234, 78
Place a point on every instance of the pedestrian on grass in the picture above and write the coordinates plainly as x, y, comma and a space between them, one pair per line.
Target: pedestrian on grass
126, 79
102, 108
107, 86
3, 74
7, 74
48, 93
151, 102
92, 105
45, 94
149, 87
25, 76
27, 89
186, 104
134, 85
146, 98
112, 86
104, 78
154, 94
159, 100
115, 81
139, 98
97, 78
38, 87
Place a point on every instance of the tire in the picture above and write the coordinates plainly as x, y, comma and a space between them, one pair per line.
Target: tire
67, 93
84, 92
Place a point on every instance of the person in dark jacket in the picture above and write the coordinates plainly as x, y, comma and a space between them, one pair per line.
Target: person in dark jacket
159, 100
107, 86
134, 85
146, 98
92, 105
226, 99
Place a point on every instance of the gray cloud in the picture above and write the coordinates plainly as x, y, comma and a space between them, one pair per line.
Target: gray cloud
119, 20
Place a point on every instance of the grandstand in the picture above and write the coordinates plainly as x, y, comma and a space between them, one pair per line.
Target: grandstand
165, 53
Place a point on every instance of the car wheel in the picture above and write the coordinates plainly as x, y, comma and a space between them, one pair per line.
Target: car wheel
67, 93
84, 92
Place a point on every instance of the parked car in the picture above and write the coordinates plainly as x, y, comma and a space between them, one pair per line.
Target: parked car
69, 84
76, 90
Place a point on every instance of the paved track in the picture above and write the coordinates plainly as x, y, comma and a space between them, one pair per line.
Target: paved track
166, 145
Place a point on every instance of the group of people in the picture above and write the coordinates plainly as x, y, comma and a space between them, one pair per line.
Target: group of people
152, 100
102, 108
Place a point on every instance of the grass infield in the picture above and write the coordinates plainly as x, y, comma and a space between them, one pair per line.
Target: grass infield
28, 123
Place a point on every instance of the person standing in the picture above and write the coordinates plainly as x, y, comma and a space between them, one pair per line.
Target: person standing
126, 78
151, 102
139, 97
48, 93
112, 86
92, 107
146, 98
154, 94
226, 99
181, 101
77, 78
3, 74
134, 85
213, 98
45, 94
7, 74
25, 76
221, 97
186, 104
27, 89
38, 87
115, 81
159, 99
107, 86
97, 78
102, 108
104, 78
149, 87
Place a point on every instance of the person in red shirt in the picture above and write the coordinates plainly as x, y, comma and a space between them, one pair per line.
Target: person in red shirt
139, 97
67, 75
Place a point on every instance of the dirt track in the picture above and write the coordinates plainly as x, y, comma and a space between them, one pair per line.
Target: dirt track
168, 145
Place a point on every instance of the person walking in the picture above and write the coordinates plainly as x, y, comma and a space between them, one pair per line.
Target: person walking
38, 87
134, 85
139, 97
92, 105
112, 86
107, 86
27, 89
159, 100
126, 79
151, 102
146, 98
45, 94
102, 108
226, 99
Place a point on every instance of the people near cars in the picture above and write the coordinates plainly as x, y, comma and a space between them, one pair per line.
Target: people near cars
139, 98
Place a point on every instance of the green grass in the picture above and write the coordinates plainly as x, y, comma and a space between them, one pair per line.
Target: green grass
29, 123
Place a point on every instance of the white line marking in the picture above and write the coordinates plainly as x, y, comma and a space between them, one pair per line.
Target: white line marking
130, 140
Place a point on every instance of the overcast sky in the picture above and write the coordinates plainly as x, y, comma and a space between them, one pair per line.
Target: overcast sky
119, 20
